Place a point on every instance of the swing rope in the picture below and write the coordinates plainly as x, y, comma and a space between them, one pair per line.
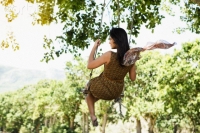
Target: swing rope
119, 99
86, 90
133, 15
100, 28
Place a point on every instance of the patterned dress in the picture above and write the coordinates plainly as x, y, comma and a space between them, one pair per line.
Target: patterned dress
109, 84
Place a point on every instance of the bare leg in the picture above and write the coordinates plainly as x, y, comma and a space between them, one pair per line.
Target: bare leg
90, 99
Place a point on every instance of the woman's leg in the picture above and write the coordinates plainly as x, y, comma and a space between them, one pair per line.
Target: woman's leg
90, 99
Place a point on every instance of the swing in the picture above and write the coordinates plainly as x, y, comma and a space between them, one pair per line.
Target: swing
130, 57
86, 90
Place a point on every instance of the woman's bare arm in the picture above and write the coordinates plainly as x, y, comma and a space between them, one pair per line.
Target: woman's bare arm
103, 59
132, 72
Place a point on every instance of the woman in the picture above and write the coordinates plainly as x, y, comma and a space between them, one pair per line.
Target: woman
109, 84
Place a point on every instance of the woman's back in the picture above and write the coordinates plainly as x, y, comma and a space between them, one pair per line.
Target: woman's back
114, 71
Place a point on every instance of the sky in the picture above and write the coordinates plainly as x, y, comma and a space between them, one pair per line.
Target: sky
30, 38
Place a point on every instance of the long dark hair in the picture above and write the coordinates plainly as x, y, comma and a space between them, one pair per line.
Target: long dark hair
120, 38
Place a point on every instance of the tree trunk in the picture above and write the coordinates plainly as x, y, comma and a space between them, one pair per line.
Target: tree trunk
105, 116
36, 125
45, 122
72, 123
54, 120
50, 121
85, 123
37, 128
175, 128
147, 123
138, 126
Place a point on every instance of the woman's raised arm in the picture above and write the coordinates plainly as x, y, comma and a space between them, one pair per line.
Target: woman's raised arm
103, 59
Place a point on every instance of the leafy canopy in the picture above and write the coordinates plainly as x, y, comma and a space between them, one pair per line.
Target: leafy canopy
82, 20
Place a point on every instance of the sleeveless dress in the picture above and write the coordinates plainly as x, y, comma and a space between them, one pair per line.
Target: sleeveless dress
109, 84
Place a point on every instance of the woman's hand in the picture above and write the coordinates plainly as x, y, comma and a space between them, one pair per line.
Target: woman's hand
97, 43
103, 59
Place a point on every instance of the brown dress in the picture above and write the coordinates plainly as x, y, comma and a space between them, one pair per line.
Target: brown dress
109, 84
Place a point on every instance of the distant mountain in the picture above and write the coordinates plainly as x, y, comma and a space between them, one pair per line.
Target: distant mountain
12, 78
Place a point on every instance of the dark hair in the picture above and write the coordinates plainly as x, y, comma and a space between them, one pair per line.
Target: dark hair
120, 38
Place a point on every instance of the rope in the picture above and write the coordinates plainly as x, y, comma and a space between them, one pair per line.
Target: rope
86, 90
133, 11
119, 100
100, 28
118, 13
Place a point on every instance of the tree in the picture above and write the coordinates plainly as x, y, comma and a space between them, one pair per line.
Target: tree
86, 24
142, 97
82, 20
190, 14
16, 109
10, 41
165, 93
179, 80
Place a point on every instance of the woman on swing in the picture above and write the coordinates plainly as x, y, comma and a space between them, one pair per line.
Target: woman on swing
109, 84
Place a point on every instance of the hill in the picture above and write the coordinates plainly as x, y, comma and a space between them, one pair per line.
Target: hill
12, 78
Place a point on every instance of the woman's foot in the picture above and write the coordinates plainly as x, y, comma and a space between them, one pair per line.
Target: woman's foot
94, 121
